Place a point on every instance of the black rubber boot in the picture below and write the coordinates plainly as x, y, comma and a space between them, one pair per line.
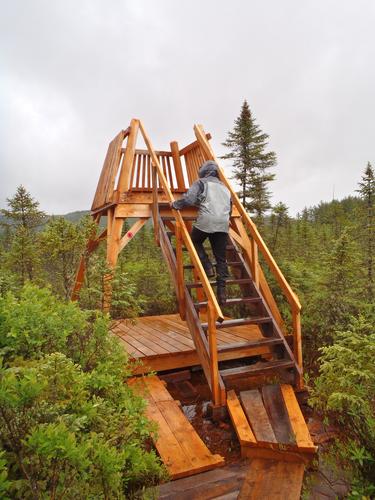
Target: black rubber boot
209, 269
221, 295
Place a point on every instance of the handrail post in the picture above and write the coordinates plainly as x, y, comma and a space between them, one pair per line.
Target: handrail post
180, 272
155, 206
254, 261
297, 344
212, 343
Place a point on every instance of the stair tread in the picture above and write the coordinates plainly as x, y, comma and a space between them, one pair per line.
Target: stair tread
230, 302
229, 263
257, 368
253, 343
241, 321
238, 281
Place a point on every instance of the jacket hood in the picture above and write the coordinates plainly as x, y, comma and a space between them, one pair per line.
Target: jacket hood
209, 169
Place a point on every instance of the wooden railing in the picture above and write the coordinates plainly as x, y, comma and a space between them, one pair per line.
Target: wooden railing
214, 312
255, 244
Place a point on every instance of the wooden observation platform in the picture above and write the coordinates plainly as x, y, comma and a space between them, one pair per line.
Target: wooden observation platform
140, 184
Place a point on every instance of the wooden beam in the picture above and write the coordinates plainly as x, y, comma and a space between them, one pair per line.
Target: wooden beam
177, 165
127, 164
129, 235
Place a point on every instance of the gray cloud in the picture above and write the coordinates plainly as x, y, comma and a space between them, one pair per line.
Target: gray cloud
74, 73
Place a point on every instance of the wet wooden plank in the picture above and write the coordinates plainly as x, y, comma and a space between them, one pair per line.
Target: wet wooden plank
157, 389
274, 403
190, 442
241, 425
256, 413
170, 450
300, 429
272, 479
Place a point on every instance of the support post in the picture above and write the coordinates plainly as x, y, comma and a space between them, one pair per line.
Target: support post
155, 207
180, 272
212, 343
177, 165
297, 345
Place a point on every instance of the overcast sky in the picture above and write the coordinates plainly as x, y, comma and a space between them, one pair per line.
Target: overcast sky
74, 72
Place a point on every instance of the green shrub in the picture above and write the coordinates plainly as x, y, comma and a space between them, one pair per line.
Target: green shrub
69, 426
345, 391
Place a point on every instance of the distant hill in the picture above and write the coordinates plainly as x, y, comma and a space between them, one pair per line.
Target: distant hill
75, 216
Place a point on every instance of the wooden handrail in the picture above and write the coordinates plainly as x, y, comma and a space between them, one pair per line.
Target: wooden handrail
258, 242
184, 232
291, 296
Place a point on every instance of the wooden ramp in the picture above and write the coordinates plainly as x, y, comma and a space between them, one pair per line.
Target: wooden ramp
179, 446
269, 424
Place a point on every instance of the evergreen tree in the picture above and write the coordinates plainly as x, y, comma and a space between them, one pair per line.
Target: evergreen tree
21, 220
279, 219
23, 211
367, 193
247, 144
337, 299
62, 244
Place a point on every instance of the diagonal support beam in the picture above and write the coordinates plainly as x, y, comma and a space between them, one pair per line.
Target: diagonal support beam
129, 235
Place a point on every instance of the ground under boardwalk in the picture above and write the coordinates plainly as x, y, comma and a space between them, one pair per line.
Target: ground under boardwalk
179, 446
165, 343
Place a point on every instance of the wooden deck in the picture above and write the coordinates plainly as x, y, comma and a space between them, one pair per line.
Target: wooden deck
164, 342
179, 446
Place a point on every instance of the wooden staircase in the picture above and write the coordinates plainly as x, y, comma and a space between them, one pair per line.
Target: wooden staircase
248, 297
142, 183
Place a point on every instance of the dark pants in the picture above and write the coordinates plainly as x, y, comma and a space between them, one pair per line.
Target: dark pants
218, 244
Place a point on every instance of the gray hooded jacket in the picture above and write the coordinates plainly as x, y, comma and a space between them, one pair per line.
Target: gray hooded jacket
211, 197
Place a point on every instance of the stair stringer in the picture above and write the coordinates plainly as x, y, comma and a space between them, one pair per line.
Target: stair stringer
192, 319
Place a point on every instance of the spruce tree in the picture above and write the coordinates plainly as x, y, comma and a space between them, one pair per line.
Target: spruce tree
367, 193
247, 144
21, 220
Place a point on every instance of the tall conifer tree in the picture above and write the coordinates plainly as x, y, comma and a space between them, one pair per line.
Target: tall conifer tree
367, 193
21, 219
247, 145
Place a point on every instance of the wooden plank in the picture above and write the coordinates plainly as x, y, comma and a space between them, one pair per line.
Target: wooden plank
177, 165
193, 145
272, 479
256, 413
188, 439
145, 342
158, 391
170, 450
300, 429
241, 425
132, 351
277, 413
139, 330
180, 334
129, 235
126, 168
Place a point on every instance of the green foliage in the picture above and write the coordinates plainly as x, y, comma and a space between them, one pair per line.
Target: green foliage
367, 214
125, 302
62, 244
247, 144
345, 389
69, 426
21, 220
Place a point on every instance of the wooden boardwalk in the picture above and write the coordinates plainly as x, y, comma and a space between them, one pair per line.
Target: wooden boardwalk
165, 343
179, 446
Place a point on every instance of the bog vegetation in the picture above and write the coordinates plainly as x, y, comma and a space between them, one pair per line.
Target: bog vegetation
70, 427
